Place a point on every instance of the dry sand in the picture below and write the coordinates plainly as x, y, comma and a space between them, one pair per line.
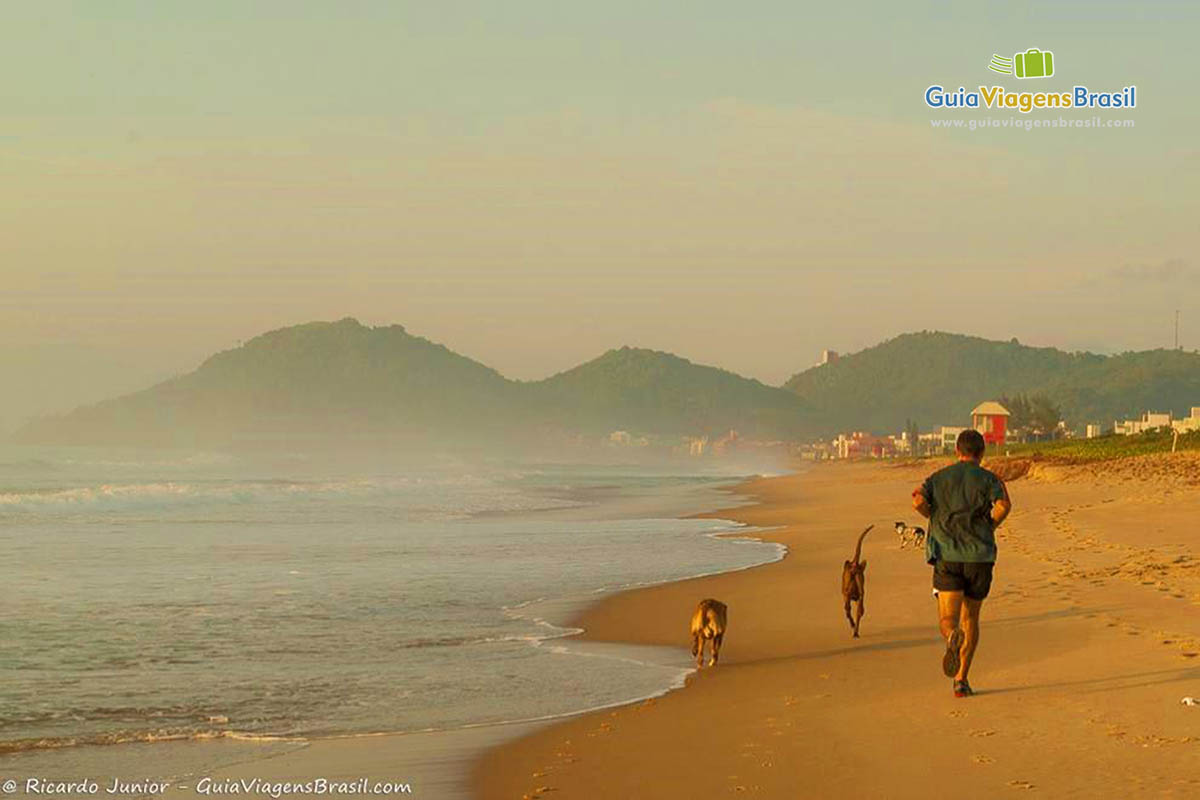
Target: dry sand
1089, 641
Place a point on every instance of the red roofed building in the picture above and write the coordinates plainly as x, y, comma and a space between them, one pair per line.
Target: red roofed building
991, 419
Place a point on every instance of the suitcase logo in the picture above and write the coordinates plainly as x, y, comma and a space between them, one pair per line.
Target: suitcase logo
1033, 63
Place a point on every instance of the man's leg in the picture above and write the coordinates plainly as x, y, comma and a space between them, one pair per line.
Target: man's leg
949, 615
950, 611
969, 622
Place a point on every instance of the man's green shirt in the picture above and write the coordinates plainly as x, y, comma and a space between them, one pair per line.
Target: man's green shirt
960, 501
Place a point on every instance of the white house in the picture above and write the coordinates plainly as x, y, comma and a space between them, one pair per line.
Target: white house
1150, 421
1188, 423
949, 437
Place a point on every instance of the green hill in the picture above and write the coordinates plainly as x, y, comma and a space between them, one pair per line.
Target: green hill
319, 379
346, 381
646, 391
343, 380
937, 378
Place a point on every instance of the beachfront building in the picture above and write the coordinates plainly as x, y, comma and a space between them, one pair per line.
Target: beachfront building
948, 438
1094, 430
816, 451
991, 419
1150, 421
929, 443
861, 443
1189, 423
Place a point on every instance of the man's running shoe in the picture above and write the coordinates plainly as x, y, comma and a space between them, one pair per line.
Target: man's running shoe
950, 661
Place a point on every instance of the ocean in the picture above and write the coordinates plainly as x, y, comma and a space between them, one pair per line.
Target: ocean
261, 601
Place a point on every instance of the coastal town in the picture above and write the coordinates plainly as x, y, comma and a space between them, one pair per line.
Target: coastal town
991, 418
1029, 420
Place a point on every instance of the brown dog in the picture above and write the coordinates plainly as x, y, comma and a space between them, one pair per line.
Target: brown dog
708, 623
854, 583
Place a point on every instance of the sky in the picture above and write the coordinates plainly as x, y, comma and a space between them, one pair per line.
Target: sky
533, 183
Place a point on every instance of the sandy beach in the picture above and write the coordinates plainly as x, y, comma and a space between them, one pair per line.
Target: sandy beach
1090, 640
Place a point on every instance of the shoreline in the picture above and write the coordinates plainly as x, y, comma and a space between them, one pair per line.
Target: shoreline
436, 760
784, 713
592, 626
587, 618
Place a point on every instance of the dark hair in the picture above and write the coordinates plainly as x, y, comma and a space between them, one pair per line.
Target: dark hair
970, 443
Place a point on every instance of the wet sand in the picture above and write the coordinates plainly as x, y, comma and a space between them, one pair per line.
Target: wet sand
1089, 641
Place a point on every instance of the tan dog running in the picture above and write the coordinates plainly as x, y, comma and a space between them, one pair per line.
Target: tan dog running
708, 624
854, 584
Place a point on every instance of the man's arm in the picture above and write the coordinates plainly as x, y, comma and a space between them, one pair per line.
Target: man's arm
1001, 507
920, 502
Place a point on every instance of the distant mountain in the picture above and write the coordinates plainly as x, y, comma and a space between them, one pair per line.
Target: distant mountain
937, 378
346, 381
646, 391
319, 379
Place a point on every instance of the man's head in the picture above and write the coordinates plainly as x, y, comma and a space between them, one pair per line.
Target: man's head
970, 445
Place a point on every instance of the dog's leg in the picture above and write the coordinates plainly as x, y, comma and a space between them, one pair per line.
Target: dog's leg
716, 649
862, 609
698, 649
849, 616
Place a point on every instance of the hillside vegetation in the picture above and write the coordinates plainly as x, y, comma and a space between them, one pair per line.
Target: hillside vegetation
659, 392
318, 379
346, 380
937, 378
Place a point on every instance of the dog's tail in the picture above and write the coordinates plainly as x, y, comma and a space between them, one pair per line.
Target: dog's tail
858, 547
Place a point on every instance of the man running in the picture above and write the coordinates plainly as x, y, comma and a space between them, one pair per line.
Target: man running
965, 503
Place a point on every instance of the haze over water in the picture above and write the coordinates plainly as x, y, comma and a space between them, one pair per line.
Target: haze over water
161, 596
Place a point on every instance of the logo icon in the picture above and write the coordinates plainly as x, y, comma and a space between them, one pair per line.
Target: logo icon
1033, 63
1001, 64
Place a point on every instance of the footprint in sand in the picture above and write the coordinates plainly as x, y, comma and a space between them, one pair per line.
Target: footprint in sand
958, 713
1020, 784
983, 732
981, 759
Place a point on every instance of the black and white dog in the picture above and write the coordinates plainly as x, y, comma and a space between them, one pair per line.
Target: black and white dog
907, 535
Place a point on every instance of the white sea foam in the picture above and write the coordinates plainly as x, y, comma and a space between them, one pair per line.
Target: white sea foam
331, 605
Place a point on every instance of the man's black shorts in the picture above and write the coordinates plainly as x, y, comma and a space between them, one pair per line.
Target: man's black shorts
973, 579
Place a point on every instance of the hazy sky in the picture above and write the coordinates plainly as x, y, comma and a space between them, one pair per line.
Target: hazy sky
531, 183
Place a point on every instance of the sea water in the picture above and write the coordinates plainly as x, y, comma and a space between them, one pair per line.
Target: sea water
179, 597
